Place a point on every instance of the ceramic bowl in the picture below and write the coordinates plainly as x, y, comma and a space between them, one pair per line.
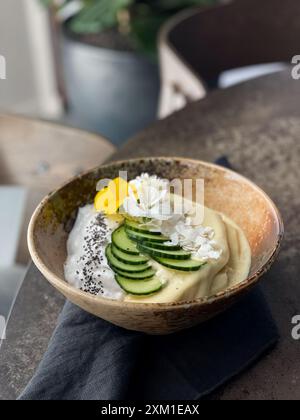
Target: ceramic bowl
225, 191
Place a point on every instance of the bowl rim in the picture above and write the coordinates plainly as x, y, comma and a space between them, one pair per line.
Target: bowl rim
67, 288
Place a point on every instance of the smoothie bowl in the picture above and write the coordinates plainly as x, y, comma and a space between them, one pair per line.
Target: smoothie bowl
155, 245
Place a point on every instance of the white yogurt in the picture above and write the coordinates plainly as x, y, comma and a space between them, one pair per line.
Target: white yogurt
86, 267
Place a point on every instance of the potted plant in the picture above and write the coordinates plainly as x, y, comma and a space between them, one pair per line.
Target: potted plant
109, 60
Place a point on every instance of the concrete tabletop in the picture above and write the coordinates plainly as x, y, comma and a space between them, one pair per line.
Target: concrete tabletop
257, 125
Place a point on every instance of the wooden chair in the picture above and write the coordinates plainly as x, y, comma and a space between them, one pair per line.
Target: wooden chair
198, 45
40, 156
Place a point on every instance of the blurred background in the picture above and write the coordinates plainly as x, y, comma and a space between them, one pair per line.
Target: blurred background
92, 64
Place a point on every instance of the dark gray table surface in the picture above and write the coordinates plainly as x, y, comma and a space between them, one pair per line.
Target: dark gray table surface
256, 124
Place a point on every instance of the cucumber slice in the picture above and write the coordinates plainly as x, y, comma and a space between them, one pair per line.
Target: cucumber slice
142, 237
133, 219
173, 255
116, 264
137, 227
123, 243
137, 276
127, 258
162, 246
186, 266
143, 287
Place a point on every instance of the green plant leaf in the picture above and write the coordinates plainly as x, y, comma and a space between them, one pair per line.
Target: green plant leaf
180, 4
98, 15
147, 17
144, 31
47, 3
54, 3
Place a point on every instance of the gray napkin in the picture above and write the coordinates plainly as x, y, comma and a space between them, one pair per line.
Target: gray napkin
90, 359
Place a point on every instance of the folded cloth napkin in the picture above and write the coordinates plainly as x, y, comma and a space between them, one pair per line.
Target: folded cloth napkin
91, 359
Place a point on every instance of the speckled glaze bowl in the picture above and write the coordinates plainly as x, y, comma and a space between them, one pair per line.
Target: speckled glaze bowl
225, 191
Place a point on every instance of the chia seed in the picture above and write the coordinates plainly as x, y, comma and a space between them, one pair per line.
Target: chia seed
96, 237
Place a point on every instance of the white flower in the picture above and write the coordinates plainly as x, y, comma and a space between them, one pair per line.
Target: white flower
197, 240
149, 197
167, 227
